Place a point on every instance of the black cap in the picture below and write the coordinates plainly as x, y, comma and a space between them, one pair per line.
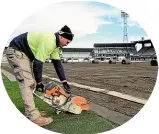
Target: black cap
66, 33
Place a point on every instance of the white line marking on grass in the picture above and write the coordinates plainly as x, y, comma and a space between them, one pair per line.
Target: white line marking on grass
78, 85
112, 93
127, 97
8, 75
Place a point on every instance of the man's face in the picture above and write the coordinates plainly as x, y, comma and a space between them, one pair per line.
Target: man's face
64, 42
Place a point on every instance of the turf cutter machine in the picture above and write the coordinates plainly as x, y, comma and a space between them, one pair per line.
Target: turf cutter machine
57, 98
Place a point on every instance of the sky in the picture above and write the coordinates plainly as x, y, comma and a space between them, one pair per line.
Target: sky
91, 22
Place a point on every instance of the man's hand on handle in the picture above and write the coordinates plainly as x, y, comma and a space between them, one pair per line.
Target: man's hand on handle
66, 87
40, 87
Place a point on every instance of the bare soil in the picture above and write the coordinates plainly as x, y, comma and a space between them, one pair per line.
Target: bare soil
136, 79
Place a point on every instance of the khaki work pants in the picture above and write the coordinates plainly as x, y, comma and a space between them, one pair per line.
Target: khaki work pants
22, 69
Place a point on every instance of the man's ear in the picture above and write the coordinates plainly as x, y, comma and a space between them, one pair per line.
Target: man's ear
61, 37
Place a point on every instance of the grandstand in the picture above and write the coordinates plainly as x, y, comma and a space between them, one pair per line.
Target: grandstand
102, 51
147, 51
105, 51
76, 53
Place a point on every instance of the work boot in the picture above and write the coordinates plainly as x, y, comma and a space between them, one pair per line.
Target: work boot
43, 113
42, 121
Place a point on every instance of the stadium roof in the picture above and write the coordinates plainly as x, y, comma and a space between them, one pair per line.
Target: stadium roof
143, 41
115, 44
77, 49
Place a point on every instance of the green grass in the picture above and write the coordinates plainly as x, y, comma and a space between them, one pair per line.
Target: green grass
88, 122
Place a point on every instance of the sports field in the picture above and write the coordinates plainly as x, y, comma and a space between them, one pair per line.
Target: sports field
137, 79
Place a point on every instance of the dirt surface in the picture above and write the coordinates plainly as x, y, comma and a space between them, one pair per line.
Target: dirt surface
112, 103
137, 79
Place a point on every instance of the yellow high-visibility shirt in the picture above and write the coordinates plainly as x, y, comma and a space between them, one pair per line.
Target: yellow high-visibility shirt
43, 45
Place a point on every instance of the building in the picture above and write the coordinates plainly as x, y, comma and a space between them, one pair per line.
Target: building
76, 53
147, 51
103, 51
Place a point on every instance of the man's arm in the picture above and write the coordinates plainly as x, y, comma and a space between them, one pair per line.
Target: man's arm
37, 69
61, 74
59, 70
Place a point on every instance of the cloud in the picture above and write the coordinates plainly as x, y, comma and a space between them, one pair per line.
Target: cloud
79, 16
82, 17
85, 43
130, 22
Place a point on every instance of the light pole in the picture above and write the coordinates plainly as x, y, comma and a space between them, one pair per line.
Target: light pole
125, 32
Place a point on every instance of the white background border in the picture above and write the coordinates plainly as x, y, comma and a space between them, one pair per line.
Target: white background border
13, 12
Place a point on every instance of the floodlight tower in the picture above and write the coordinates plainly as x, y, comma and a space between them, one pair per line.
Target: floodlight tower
125, 33
125, 37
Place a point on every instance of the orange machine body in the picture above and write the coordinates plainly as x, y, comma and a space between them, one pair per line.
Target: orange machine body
60, 97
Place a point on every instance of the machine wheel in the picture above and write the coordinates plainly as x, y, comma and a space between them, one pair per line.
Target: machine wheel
95, 61
110, 61
154, 62
123, 62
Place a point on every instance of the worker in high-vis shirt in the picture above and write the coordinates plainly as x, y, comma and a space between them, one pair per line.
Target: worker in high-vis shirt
26, 54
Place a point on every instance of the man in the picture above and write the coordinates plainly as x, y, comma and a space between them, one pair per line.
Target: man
26, 55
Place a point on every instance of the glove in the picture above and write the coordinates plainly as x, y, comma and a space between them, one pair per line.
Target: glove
66, 87
40, 87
